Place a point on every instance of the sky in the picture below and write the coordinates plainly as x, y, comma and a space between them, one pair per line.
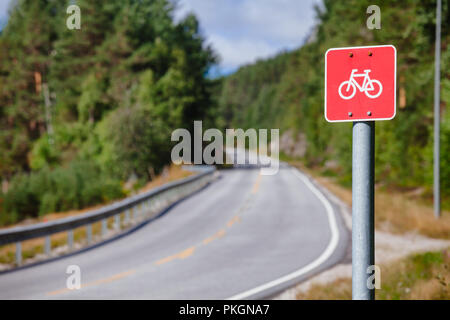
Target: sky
242, 31
3, 12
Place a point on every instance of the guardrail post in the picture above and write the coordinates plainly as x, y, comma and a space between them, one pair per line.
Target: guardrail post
158, 202
18, 253
117, 221
70, 239
149, 207
89, 233
104, 227
127, 216
48, 245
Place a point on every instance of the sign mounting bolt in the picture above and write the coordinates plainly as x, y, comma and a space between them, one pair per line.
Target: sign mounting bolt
369, 113
350, 114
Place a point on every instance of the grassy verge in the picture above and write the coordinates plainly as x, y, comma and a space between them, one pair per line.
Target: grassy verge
418, 277
33, 247
395, 211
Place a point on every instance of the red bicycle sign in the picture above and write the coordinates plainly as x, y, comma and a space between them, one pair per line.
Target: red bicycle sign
371, 87
371, 71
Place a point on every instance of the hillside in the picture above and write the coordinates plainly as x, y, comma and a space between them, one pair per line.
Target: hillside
84, 110
287, 91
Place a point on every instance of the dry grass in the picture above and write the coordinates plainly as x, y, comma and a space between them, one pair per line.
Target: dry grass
395, 212
419, 277
173, 173
340, 289
32, 247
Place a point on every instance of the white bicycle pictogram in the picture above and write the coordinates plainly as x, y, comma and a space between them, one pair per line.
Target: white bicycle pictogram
367, 87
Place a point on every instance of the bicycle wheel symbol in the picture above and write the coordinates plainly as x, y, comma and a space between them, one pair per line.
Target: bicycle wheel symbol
347, 90
373, 89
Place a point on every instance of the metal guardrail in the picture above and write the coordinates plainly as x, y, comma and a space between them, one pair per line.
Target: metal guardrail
127, 212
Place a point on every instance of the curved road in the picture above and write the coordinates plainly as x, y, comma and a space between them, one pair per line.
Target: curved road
244, 236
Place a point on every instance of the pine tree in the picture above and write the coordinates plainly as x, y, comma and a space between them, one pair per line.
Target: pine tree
26, 47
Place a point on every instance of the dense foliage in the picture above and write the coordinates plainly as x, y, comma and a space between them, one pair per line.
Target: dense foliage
83, 110
287, 91
78, 185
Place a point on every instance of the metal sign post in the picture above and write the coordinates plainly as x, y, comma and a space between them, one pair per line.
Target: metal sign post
360, 87
437, 79
363, 238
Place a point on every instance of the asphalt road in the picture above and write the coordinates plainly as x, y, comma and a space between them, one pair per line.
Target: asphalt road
246, 235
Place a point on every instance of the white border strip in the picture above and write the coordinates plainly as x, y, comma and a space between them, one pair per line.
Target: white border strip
321, 259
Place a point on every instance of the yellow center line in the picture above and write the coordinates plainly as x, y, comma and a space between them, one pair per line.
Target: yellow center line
215, 236
233, 221
94, 283
236, 219
180, 255
257, 183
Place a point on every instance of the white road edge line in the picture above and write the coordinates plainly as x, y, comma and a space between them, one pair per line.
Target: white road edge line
321, 259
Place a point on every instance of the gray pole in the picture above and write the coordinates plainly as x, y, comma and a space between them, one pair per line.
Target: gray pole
362, 208
437, 78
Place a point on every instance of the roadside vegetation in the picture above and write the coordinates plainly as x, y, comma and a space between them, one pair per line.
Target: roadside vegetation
397, 211
32, 248
117, 89
424, 276
287, 92
85, 111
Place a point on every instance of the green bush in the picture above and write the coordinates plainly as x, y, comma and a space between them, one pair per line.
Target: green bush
49, 203
76, 186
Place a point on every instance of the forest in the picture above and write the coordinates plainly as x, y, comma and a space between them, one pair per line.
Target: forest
82, 111
287, 92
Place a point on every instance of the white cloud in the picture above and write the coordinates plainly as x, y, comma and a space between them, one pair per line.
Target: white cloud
242, 31
240, 51
284, 20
